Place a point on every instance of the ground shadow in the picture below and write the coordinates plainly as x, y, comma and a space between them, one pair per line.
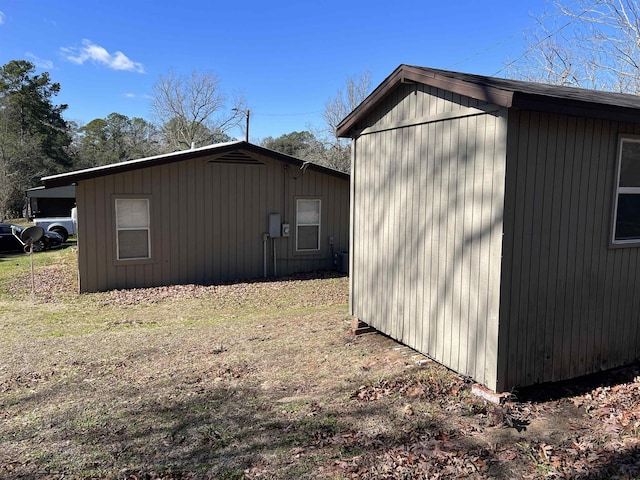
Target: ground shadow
545, 392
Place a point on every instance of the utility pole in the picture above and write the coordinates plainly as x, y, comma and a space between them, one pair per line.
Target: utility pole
247, 112
247, 132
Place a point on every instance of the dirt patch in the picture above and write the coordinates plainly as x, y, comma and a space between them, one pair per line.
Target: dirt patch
580, 436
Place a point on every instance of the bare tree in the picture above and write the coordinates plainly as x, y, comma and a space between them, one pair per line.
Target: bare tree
345, 101
193, 111
337, 152
585, 43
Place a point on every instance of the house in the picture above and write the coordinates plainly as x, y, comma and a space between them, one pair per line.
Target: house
496, 224
207, 215
51, 202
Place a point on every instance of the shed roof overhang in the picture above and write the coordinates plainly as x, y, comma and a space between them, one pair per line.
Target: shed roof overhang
67, 191
502, 92
409, 74
230, 152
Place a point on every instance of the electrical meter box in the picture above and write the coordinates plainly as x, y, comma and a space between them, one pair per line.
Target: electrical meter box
285, 229
274, 225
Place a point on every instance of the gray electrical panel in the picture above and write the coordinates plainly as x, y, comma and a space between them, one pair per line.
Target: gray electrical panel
274, 225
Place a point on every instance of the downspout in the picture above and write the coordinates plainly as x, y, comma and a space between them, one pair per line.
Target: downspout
265, 237
275, 268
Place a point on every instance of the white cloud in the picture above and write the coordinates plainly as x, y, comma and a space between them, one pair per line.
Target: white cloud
39, 62
137, 95
90, 52
1, 18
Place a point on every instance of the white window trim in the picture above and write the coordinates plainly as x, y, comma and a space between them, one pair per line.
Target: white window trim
622, 190
119, 229
319, 224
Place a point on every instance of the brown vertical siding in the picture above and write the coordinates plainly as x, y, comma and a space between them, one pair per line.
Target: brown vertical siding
481, 234
427, 226
569, 303
207, 222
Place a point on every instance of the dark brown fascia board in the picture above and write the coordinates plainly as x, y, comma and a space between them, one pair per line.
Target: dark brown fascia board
409, 74
478, 91
576, 108
507, 97
71, 178
375, 97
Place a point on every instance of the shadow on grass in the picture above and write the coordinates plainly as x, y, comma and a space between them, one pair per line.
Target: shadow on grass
212, 429
229, 424
207, 432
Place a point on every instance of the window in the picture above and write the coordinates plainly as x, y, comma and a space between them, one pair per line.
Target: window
307, 225
132, 228
626, 225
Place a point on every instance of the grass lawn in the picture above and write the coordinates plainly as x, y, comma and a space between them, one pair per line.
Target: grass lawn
257, 380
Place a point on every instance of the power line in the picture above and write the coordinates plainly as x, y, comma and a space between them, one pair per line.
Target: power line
482, 52
285, 114
584, 12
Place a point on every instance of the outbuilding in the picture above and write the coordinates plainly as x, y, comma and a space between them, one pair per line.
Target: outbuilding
213, 214
496, 224
50, 202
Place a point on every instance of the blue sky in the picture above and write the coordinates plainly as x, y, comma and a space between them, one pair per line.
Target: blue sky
287, 58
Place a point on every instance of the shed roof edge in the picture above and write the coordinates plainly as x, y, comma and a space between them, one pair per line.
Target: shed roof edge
70, 178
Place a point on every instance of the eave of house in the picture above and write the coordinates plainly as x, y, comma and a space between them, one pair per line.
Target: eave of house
501, 92
232, 150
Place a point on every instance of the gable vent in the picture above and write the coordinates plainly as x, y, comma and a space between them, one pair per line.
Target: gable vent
237, 158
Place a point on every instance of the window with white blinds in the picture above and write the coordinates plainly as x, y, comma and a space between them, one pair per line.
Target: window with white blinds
308, 214
133, 237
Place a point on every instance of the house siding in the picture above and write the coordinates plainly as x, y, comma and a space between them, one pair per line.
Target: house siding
482, 228
207, 222
569, 302
427, 200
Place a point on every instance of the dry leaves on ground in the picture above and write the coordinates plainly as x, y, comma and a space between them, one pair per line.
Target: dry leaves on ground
53, 282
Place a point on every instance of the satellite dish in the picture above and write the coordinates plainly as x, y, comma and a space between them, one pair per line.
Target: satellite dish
32, 234
29, 236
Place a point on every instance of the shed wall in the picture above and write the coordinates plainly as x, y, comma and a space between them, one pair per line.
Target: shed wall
207, 222
570, 304
427, 201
